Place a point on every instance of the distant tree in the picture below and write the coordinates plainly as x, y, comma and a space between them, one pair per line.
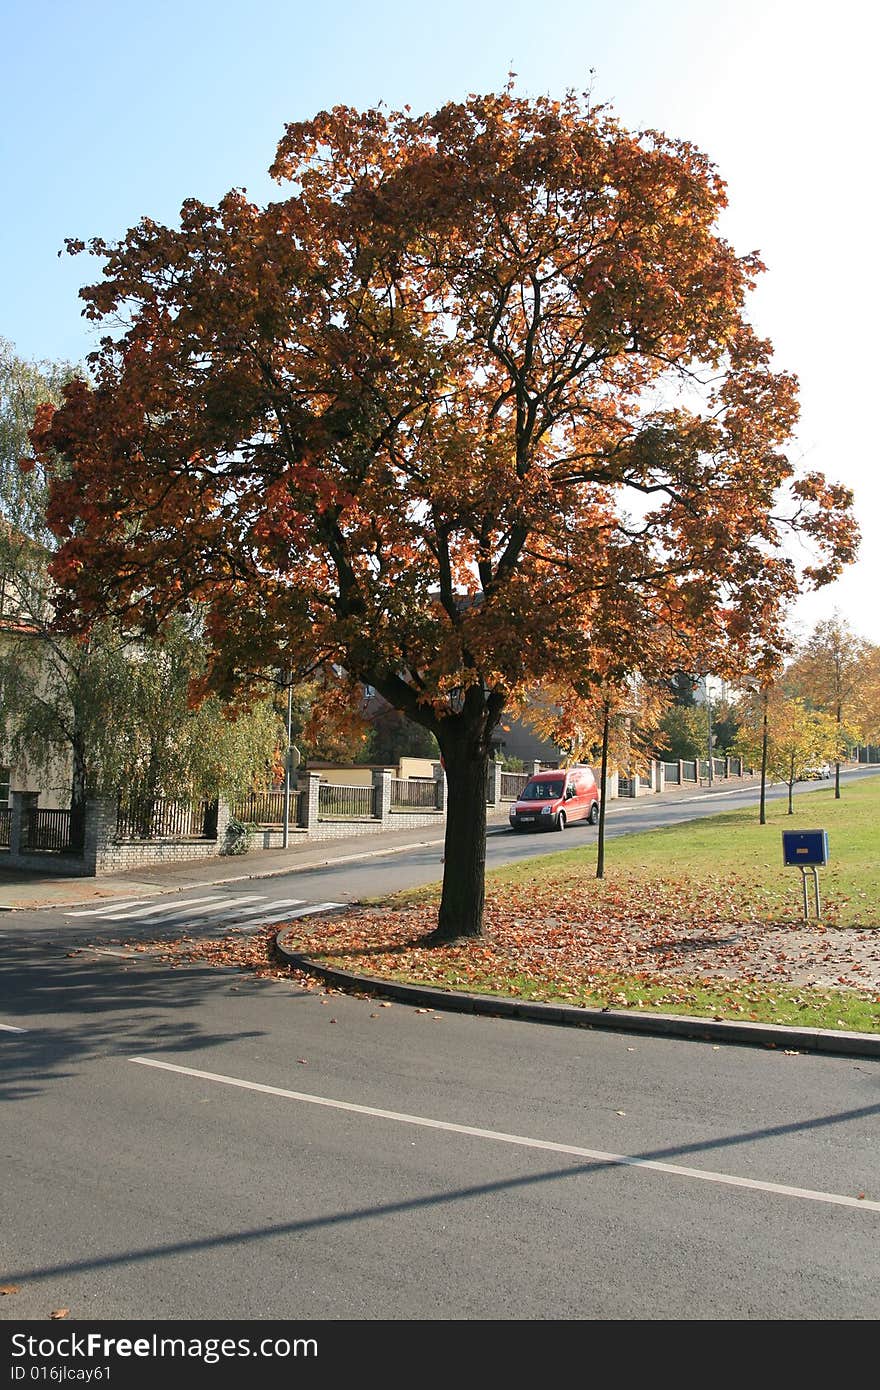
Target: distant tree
106, 709
392, 736
791, 737
682, 733
682, 689
24, 387
725, 727
327, 719
869, 702
831, 671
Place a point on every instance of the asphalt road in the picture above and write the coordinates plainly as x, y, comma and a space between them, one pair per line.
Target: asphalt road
361, 875
193, 1144
176, 1144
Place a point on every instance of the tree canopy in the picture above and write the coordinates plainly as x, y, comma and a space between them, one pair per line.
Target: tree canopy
475, 406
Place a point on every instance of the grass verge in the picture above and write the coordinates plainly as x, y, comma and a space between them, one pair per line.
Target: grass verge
699, 918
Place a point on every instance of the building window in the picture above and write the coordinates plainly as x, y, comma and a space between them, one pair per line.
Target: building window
4, 788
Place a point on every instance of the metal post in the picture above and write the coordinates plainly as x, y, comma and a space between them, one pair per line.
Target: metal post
286, 834
816, 891
709, 731
804, 886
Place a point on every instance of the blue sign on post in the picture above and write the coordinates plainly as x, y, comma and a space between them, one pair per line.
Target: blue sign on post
805, 846
806, 849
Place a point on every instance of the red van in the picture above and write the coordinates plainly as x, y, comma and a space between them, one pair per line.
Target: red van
551, 800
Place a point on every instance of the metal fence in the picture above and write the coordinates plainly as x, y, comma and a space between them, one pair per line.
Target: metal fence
413, 793
47, 831
512, 784
689, 772
345, 802
5, 827
140, 817
263, 808
671, 772
626, 786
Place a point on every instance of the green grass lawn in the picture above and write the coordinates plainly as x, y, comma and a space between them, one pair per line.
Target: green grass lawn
732, 860
723, 871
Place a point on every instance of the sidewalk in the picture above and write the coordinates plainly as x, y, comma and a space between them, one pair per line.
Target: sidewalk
24, 890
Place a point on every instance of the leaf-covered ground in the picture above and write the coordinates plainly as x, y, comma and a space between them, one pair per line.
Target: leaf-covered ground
627, 946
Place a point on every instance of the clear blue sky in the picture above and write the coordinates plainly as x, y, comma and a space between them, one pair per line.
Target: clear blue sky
114, 111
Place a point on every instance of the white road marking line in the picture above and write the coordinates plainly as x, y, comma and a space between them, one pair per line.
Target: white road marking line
8, 1028
595, 1155
102, 911
315, 907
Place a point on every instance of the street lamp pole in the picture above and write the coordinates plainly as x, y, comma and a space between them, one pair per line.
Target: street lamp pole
286, 834
709, 731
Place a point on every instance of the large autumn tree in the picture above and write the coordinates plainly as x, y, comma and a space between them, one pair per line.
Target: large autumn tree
477, 372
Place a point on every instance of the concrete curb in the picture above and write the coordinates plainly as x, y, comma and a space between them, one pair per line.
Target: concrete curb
767, 1035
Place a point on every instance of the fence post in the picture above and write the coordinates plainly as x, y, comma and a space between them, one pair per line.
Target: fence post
537, 765
209, 823
99, 833
439, 786
310, 801
493, 799
612, 785
382, 795
21, 803
222, 818
659, 775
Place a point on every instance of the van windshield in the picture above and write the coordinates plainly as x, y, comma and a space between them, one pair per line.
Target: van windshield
547, 790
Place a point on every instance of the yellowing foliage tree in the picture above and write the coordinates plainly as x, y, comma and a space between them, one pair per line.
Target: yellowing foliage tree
795, 738
831, 671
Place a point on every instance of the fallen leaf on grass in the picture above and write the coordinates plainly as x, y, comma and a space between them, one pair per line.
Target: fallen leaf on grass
59, 1313
9, 1288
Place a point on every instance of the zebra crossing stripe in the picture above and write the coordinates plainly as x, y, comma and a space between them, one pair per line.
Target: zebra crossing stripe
315, 907
170, 909
270, 907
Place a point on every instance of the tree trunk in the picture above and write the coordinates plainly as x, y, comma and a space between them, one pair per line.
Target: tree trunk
78, 796
466, 760
603, 783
